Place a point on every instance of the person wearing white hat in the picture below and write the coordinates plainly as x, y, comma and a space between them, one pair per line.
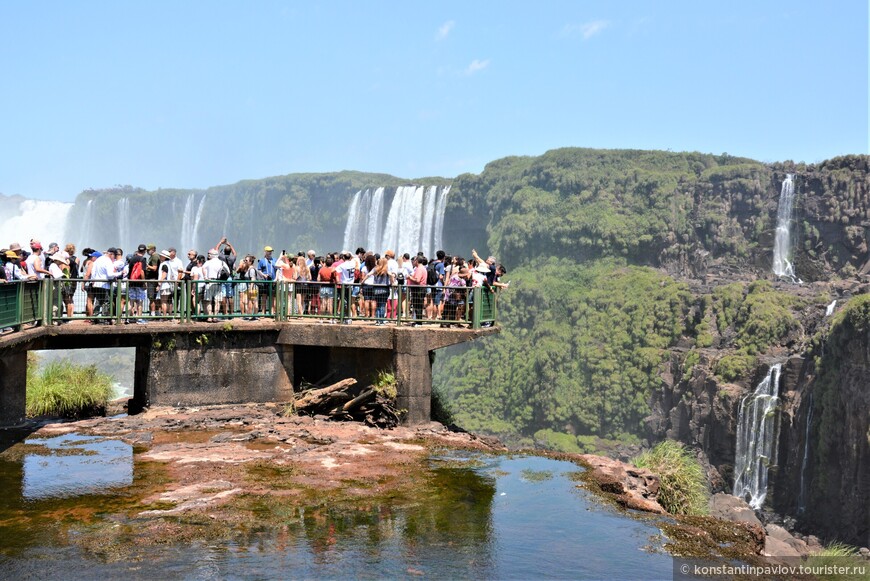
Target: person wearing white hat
167, 275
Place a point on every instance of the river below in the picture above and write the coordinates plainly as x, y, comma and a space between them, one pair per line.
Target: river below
86, 506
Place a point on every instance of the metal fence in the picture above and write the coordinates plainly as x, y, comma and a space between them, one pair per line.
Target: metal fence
104, 302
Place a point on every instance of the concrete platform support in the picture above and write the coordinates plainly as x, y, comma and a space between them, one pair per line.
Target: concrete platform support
13, 388
190, 370
414, 377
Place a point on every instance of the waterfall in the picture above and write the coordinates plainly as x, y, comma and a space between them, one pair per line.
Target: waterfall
190, 223
87, 224
830, 310
782, 247
756, 439
414, 221
45, 221
802, 495
124, 240
439, 219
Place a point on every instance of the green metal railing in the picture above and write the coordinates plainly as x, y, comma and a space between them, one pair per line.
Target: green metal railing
50, 301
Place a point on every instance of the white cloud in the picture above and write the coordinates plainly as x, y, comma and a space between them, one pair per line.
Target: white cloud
476, 66
587, 30
444, 30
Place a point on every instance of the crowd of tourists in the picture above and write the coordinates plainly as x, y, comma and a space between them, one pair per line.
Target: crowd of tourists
335, 287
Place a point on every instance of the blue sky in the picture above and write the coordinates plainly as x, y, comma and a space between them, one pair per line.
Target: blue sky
194, 94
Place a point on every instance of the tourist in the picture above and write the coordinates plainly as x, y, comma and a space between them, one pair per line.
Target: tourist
102, 274
36, 261
227, 255
90, 256
417, 288
326, 276
247, 289
367, 274
191, 263
198, 290
137, 266
382, 287
212, 270
168, 276
151, 276
12, 268
345, 274
266, 269
303, 288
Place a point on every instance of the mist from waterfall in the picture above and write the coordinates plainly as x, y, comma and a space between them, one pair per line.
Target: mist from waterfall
28, 219
756, 439
413, 222
782, 246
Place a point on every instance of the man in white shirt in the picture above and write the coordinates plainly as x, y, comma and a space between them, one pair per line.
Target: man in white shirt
36, 261
211, 271
102, 273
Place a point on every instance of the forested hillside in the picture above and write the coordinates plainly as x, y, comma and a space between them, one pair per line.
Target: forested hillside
621, 259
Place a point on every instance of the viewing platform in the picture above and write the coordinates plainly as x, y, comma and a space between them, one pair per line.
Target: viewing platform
182, 359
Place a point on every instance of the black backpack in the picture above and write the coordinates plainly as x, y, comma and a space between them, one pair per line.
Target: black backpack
431, 274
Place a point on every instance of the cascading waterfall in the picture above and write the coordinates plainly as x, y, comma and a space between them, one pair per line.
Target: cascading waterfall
830, 310
802, 495
190, 222
85, 236
414, 221
124, 239
782, 247
756, 439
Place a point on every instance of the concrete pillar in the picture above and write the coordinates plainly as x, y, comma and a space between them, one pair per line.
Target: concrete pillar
414, 378
13, 388
212, 368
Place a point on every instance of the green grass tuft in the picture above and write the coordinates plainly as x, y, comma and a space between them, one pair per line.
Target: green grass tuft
386, 385
683, 484
63, 388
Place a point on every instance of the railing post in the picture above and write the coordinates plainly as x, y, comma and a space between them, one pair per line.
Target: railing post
478, 306
45, 302
19, 310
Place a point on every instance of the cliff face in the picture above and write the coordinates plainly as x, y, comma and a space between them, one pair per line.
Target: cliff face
825, 444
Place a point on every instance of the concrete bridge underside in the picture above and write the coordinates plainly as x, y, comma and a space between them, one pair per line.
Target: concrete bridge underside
206, 363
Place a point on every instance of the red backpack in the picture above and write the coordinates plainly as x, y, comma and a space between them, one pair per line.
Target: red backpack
137, 272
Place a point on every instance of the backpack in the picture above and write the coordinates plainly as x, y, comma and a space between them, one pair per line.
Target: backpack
224, 274
431, 274
137, 273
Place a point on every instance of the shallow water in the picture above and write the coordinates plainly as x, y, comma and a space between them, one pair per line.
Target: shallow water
480, 517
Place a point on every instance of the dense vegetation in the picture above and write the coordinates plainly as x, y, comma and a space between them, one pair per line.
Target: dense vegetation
599, 332
585, 328
63, 388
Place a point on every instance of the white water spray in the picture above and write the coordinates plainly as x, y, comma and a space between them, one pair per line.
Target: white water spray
830, 310
414, 221
756, 439
782, 246
45, 221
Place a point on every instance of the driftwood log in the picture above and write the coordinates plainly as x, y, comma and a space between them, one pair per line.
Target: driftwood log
346, 400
